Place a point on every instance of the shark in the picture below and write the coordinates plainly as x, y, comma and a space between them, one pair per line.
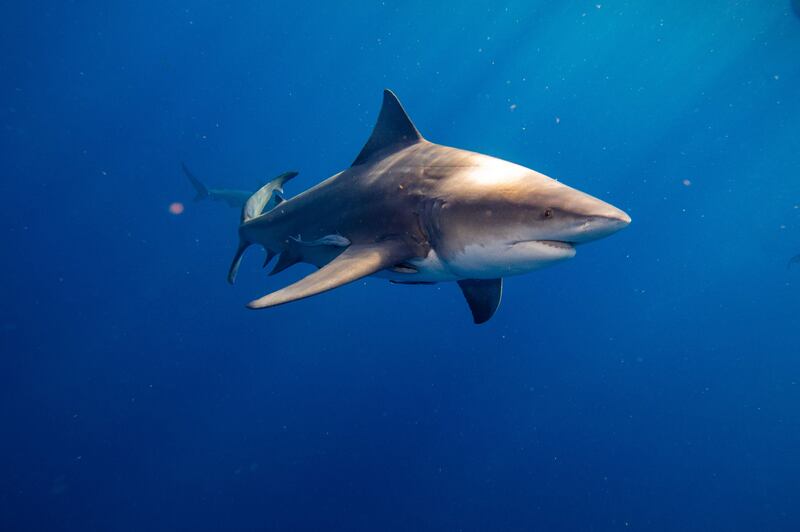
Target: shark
415, 212
234, 198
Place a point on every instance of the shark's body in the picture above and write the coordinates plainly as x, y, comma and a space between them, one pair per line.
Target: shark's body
234, 198
417, 212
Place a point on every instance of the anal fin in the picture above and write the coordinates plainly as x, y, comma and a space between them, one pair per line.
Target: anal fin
289, 257
270, 255
483, 297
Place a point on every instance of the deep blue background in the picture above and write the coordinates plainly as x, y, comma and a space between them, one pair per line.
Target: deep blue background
652, 383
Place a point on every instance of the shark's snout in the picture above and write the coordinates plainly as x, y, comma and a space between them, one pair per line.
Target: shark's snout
602, 224
570, 215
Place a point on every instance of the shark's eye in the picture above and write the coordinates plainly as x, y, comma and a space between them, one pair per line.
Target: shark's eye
548, 213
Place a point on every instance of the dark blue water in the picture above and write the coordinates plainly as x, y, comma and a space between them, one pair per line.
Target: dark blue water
651, 383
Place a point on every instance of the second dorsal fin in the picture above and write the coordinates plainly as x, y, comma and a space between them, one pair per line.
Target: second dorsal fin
393, 128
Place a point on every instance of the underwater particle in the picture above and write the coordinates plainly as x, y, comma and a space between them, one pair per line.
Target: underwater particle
59, 485
512, 106
558, 120
176, 208
686, 182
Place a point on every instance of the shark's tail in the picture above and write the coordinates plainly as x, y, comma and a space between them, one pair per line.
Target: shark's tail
202, 191
254, 208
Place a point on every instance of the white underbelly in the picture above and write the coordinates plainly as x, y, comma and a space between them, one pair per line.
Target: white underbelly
482, 261
431, 269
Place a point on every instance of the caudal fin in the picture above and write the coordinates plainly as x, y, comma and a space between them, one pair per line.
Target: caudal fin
202, 191
252, 209
255, 205
237, 260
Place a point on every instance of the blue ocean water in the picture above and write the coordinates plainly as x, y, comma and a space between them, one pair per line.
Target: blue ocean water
651, 383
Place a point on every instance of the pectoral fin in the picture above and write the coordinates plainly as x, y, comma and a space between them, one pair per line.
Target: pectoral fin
317, 252
357, 261
483, 297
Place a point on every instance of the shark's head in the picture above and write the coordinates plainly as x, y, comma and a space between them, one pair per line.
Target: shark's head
542, 209
501, 219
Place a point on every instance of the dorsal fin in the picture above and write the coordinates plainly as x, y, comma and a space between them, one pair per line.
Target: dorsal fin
393, 128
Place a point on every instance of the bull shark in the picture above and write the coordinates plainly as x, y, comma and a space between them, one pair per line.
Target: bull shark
234, 198
415, 212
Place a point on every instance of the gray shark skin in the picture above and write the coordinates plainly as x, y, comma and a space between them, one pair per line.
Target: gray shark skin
234, 198
415, 212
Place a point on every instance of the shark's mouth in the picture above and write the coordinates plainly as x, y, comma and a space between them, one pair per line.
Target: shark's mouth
545, 251
558, 244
